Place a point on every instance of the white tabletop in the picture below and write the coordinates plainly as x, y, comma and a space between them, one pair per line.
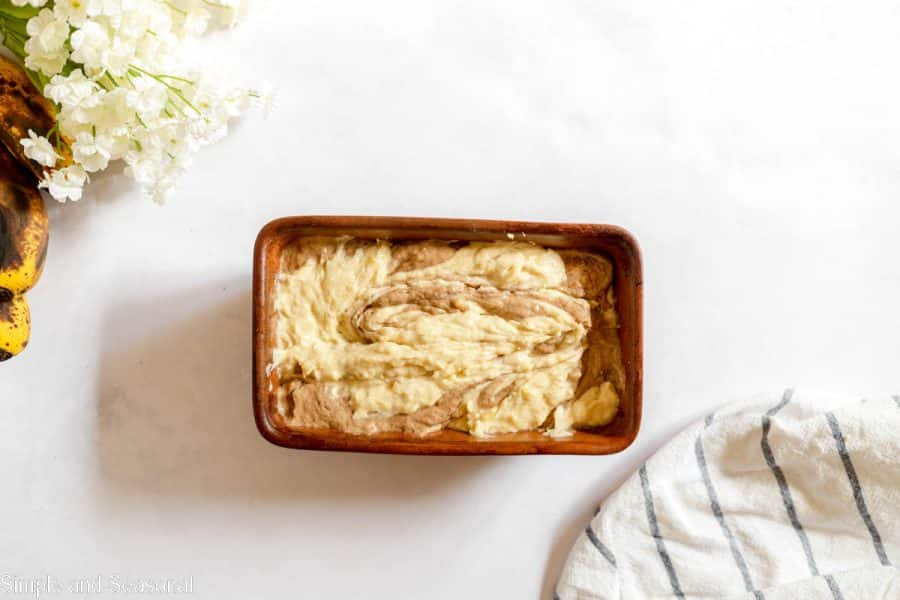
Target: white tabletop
752, 148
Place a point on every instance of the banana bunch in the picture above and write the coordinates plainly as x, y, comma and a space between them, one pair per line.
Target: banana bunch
24, 225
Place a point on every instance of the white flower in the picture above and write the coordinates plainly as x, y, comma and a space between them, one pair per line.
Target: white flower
117, 142
70, 90
159, 18
39, 149
74, 118
65, 184
94, 150
231, 11
114, 110
45, 48
47, 31
90, 46
107, 8
207, 130
174, 140
155, 50
144, 166
154, 171
91, 152
73, 11
145, 18
148, 98
233, 103
48, 63
196, 21
119, 56
34, 3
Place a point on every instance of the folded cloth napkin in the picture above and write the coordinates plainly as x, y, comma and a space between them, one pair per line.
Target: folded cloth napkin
790, 498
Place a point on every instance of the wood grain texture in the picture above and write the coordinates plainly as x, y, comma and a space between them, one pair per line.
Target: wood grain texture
611, 240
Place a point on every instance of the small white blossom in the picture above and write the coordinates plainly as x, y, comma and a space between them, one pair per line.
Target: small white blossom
133, 24
156, 50
117, 142
48, 63
109, 8
65, 184
191, 17
48, 32
74, 118
73, 11
119, 56
39, 149
90, 46
72, 89
91, 152
45, 48
196, 21
148, 98
34, 3
143, 166
114, 110
231, 11
159, 18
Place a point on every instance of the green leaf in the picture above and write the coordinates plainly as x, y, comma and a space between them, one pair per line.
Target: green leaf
18, 12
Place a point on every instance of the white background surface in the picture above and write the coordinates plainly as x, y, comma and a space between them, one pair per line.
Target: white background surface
752, 147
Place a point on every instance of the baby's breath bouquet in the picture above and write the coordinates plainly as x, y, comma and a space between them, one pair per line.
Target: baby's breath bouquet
112, 70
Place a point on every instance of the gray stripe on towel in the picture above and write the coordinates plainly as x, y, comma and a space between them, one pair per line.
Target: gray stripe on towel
782, 482
654, 531
897, 400
720, 517
856, 488
785, 398
833, 586
606, 552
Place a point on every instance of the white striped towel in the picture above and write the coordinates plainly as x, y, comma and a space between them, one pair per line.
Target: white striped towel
791, 498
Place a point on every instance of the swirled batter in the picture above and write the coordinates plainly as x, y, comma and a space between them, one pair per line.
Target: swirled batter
484, 337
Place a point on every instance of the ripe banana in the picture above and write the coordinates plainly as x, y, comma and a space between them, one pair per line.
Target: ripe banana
15, 326
23, 237
23, 246
23, 217
23, 107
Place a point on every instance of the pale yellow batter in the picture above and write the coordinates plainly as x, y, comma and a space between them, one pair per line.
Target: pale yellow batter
483, 337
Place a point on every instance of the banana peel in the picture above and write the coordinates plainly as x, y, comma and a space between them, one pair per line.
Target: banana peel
24, 226
24, 108
15, 326
24, 229
24, 233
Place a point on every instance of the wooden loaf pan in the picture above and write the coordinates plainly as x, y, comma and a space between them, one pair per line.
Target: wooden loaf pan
614, 242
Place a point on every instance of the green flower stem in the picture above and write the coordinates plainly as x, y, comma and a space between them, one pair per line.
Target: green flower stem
175, 8
57, 138
175, 78
14, 42
15, 25
217, 5
14, 28
174, 90
22, 13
